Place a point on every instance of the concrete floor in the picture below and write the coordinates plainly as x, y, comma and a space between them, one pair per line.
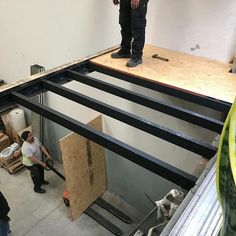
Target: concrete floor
34, 214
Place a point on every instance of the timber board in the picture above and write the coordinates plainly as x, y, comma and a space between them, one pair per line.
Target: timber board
84, 167
197, 75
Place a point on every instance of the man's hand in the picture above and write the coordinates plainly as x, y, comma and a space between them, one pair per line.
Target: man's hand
44, 165
116, 2
49, 157
135, 4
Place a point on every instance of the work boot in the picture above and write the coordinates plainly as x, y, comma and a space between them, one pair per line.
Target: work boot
134, 62
45, 182
121, 54
40, 190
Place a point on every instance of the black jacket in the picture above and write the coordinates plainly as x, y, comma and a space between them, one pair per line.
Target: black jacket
4, 208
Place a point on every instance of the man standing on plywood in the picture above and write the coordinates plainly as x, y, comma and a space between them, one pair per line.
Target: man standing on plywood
132, 20
32, 158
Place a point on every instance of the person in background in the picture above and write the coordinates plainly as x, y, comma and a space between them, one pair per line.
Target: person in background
4, 218
32, 151
132, 19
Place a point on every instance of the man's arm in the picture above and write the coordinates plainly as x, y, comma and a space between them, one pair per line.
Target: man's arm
37, 161
43, 149
134, 4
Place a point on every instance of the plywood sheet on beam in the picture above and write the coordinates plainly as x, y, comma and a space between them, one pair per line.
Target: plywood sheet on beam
194, 74
84, 167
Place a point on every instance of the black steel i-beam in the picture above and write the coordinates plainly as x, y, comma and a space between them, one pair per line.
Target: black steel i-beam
162, 88
175, 111
164, 133
145, 160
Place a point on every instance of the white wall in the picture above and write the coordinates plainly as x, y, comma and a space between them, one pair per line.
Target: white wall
51, 33
181, 25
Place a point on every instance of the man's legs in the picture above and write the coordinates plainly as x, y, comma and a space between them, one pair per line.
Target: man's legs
138, 33
125, 24
41, 172
126, 32
36, 178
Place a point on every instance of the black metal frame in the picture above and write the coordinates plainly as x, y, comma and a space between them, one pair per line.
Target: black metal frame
163, 88
21, 95
133, 120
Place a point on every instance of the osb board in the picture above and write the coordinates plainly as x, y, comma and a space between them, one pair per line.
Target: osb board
14, 84
84, 166
194, 74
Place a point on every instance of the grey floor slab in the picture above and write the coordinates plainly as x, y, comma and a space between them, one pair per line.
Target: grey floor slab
35, 214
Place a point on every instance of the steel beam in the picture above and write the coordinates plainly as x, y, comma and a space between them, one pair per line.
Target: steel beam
145, 160
164, 133
175, 92
172, 110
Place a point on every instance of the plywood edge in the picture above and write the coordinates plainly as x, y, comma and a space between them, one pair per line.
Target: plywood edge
192, 74
76, 209
90, 120
17, 83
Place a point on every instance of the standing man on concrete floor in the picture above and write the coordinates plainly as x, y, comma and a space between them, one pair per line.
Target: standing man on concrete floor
32, 158
132, 20
4, 218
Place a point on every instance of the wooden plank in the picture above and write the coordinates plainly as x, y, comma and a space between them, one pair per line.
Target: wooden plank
9, 164
194, 74
14, 166
84, 167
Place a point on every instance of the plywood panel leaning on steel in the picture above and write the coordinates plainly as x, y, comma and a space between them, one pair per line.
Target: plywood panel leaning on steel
84, 166
226, 174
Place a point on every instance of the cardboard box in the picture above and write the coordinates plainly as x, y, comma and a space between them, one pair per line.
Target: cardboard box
16, 137
7, 126
4, 142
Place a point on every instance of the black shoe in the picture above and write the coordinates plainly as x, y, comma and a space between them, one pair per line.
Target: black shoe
40, 190
121, 54
45, 182
134, 62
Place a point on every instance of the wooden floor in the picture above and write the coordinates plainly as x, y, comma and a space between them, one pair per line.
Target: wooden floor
194, 74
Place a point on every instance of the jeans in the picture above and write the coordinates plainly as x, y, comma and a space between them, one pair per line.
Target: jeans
4, 228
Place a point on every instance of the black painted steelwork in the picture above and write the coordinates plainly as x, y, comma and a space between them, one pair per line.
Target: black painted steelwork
77, 72
145, 160
164, 88
175, 111
169, 135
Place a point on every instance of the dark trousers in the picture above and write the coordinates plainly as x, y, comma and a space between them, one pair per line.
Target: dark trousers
133, 23
4, 228
37, 175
